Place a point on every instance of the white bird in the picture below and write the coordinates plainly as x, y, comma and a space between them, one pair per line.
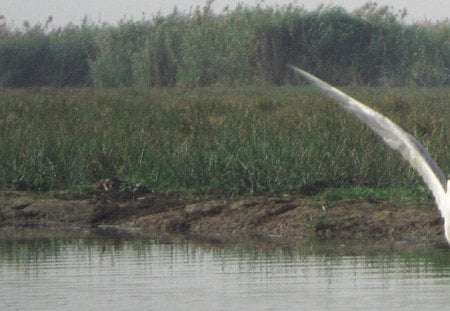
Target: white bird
396, 138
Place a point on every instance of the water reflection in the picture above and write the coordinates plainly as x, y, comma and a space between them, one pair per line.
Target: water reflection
42, 271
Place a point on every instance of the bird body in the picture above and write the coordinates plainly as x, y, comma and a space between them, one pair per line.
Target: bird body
398, 139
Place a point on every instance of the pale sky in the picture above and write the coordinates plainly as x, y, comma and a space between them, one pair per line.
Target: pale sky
110, 11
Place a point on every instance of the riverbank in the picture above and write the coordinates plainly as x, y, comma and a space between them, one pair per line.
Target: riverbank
216, 216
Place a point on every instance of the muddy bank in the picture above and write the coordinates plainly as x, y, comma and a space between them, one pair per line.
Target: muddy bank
285, 217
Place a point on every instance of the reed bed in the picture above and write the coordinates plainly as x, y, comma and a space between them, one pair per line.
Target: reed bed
232, 140
245, 46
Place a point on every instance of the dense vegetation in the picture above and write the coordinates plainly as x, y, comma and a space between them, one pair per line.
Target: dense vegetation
247, 45
233, 140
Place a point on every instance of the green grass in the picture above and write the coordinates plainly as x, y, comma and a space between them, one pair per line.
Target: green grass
232, 140
397, 194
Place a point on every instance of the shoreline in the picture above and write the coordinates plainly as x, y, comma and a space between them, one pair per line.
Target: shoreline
291, 217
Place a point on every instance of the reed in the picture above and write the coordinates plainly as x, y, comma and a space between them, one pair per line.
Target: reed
233, 140
243, 46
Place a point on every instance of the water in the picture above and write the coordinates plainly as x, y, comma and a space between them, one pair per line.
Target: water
60, 271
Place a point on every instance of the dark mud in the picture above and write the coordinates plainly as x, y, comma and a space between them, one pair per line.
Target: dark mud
283, 217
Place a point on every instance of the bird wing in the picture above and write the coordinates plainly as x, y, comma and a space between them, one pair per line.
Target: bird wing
394, 136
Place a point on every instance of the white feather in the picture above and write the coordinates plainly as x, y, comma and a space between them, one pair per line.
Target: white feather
396, 138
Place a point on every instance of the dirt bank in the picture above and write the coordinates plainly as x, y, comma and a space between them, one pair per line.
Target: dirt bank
256, 216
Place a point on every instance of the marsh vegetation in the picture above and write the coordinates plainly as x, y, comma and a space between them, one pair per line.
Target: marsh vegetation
247, 45
201, 101
232, 140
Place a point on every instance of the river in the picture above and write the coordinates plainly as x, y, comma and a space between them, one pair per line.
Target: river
42, 270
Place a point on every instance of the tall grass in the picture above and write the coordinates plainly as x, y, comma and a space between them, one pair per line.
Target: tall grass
235, 140
36, 57
246, 45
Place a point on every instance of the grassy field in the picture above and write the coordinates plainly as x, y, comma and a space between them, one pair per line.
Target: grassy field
232, 140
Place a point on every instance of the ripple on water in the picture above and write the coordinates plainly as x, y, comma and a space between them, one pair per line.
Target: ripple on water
117, 273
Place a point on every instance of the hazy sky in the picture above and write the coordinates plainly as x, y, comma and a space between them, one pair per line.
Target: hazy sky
65, 11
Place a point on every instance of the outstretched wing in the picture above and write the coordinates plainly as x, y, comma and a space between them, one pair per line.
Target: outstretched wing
394, 136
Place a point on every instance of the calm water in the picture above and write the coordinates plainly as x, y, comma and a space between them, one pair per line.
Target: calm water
42, 271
